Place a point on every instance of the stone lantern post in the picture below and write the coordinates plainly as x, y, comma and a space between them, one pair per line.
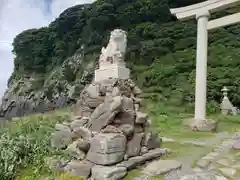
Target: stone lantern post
226, 105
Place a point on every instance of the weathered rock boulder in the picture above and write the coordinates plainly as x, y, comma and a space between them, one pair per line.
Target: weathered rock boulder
107, 149
79, 168
61, 139
162, 167
108, 172
152, 141
105, 113
75, 151
134, 145
236, 144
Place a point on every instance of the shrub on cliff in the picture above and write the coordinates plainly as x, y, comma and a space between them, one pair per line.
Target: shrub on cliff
26, 142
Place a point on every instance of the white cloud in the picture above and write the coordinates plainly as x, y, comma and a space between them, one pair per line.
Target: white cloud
19, 15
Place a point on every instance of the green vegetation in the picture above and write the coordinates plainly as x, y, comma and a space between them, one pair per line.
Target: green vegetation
161, 50
25, 142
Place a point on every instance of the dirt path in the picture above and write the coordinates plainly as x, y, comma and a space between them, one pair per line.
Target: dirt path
216, 157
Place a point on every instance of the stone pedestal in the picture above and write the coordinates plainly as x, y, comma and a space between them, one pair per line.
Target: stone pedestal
207, 125
111, 71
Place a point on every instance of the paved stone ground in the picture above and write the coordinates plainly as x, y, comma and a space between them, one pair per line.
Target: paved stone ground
219, 159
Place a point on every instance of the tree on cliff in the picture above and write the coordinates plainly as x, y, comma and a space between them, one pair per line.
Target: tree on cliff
161, 50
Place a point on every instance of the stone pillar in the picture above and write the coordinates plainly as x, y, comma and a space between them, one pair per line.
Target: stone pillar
201, 66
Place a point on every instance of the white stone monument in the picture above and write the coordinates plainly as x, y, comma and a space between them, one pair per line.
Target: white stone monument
111, 60
201, 11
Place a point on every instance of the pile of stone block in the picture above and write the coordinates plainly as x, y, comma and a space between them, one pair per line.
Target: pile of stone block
110, 133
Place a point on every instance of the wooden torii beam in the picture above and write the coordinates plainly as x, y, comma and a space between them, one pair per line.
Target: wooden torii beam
201, 11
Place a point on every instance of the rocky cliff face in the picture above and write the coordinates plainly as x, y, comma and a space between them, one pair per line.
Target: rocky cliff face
21, 98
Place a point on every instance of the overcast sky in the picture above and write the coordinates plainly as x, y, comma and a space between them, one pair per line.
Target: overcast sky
19, 15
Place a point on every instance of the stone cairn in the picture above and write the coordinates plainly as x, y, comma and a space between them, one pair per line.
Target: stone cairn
110, 133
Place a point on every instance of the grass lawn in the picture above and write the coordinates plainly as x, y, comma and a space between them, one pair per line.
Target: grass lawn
37, 130
168, 123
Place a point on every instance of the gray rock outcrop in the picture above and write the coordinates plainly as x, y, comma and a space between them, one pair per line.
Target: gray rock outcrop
36, 94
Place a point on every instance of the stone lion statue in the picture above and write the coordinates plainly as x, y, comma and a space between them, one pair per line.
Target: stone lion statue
115, 49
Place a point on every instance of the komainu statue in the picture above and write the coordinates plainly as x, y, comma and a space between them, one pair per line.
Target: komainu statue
115, 51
